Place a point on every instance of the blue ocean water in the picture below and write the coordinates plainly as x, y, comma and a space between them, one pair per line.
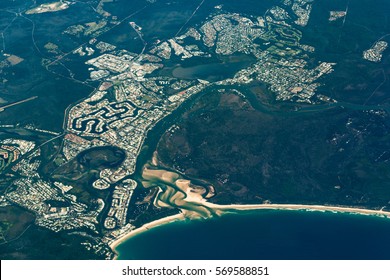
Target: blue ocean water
270, 234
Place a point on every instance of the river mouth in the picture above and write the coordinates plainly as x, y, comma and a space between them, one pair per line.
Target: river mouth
175, 191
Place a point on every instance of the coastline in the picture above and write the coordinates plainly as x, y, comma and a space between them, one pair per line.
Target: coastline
241, 207
145, 227
295, 207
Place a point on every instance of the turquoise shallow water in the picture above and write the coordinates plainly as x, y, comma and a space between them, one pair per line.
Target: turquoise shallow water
270, 234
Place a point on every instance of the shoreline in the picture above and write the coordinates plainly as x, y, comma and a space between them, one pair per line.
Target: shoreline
174, 218
297, 207
241, 207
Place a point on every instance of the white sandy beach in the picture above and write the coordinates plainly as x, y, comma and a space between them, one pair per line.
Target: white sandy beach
146, 227
239, 207
338, 209
194, 206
